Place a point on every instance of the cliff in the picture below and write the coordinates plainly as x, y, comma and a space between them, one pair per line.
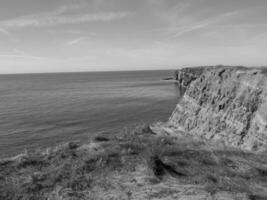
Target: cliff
226, 104
186, 75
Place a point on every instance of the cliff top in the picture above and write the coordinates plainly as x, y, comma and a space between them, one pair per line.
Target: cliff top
135, 165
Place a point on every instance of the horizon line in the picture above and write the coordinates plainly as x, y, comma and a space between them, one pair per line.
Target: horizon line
130, 70
93, 71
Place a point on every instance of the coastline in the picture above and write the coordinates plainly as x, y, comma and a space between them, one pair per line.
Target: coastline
158, 161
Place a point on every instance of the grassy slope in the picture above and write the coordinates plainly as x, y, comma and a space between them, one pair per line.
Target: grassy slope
135, 165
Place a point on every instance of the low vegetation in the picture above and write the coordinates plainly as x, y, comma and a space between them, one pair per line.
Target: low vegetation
135, 165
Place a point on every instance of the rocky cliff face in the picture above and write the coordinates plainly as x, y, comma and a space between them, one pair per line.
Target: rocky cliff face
186, 75
227, 104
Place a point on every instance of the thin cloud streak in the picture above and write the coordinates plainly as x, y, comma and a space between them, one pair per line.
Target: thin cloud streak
12, 56
76, 41
207, 22
242, 25
46, 20
16, 53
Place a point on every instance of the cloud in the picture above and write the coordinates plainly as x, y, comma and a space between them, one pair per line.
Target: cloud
66, 31
17, 54
59, 16
14, 56
202, 24
256, 25
44, 21
76, 40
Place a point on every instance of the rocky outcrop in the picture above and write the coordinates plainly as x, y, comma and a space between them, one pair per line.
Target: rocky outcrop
186, 75
227, 104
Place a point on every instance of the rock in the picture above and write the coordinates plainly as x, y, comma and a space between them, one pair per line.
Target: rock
186, 75
224, 103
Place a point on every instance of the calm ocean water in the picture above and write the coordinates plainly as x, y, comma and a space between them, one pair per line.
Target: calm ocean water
41, 110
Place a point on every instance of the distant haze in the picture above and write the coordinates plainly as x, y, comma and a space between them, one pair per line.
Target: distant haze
99, 35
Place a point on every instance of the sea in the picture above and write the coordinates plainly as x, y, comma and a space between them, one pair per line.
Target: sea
43, 110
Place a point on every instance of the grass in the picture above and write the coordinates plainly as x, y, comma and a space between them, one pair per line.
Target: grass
112, 165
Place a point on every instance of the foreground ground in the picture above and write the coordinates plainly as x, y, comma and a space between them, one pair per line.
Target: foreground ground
135, 164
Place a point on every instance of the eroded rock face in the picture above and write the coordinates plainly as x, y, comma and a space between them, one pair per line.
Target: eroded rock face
186, 75
227, 104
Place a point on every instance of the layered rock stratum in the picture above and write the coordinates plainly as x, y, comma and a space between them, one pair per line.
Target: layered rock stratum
225, 104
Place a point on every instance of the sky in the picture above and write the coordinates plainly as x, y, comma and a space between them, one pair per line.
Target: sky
103, 35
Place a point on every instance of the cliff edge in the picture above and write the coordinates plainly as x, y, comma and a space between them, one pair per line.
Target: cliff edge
226, 104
